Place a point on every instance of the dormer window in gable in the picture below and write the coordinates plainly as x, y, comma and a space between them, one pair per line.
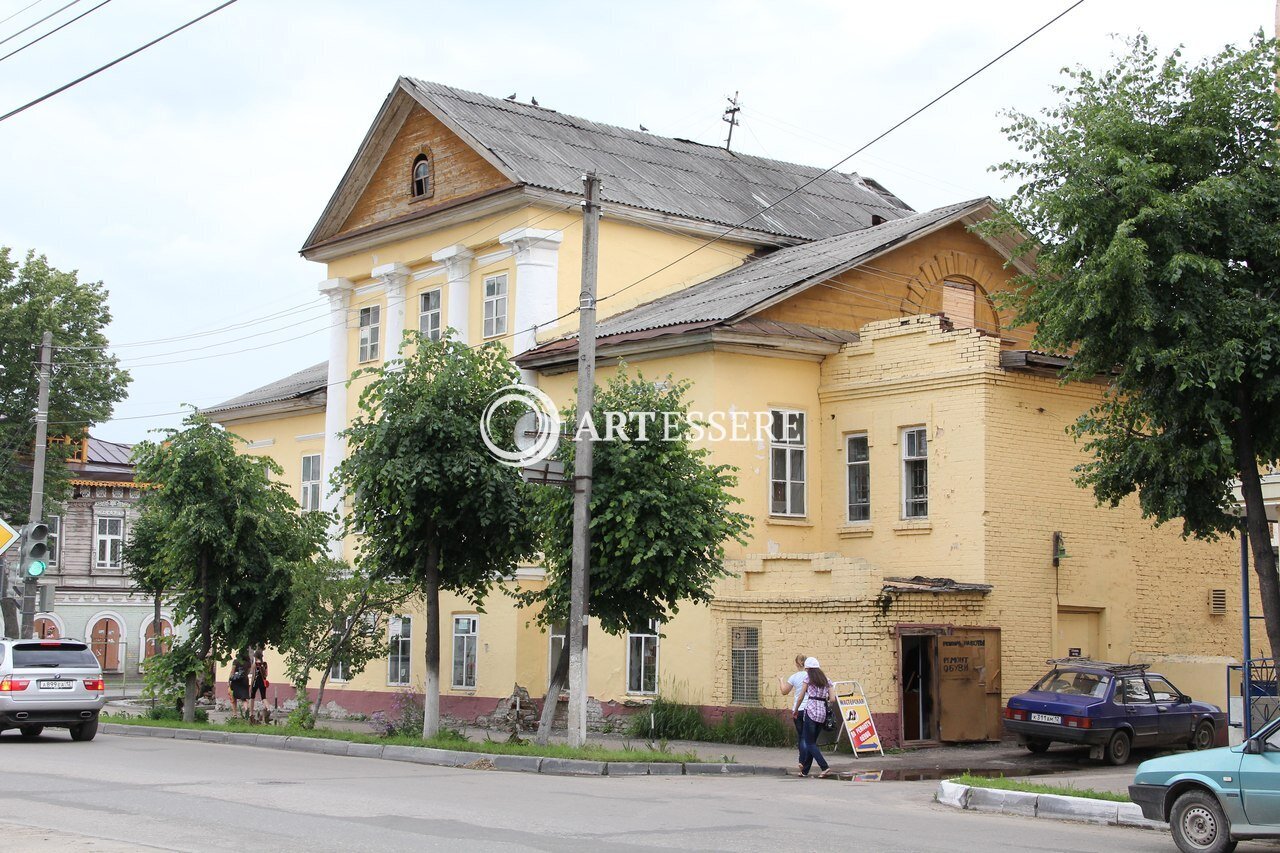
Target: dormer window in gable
422, 186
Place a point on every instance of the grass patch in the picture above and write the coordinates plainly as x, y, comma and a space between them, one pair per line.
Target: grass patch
446, 740
676, 721
1003, 784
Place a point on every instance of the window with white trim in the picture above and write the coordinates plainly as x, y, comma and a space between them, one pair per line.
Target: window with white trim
858, 462
915, 473
464, 651
108, 543
340, 670
370, 332
311, 479
786, 462
642, 660
555, 646
429, 314
495, 305
401, 644
55, 527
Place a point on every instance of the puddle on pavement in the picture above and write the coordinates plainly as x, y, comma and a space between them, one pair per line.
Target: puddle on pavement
930, 773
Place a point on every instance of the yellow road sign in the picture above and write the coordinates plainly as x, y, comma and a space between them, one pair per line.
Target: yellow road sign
7, 536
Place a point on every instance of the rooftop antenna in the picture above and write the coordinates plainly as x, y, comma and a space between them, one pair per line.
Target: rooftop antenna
731, 116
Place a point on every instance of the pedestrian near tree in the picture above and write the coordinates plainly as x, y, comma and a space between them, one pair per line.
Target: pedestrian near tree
258, 685
238, 683
792, 685
816, 691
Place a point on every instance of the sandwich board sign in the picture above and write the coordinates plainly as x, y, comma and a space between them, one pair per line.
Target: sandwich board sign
855, 713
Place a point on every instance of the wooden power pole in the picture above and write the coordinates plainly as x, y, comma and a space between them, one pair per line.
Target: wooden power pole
583, 456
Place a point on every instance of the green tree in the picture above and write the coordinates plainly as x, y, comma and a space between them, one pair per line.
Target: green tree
1152, 196
222, 536
333, 620
429, 502
86, 382
661, 515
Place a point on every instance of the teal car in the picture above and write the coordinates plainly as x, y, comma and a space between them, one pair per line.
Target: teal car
1214, 798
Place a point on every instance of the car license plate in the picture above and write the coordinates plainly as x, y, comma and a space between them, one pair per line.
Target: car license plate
56, 685
1047, 718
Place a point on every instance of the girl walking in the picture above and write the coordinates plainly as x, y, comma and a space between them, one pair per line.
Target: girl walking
816, 691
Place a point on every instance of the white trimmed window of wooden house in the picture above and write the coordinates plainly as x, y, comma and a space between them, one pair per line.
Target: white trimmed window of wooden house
642, 660
422, 176
108, 543
429, 314
399, 663
370, 332
787, 463
465, 635
744, 664
915, 472
958, 299
311, 478
55, 527
858, 462
495, 305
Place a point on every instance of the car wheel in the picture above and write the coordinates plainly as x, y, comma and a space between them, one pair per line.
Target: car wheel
1038, 747
1199, 825
30, 732
1118, 748
85, 731
1204, 735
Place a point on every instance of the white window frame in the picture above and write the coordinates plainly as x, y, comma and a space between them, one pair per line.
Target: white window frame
402, 650
496, 306
309, 500
469, 638
557, 636
339, 673
55, 530
645, 640
911, 458
108, 538
429, 318
862, 465
370, 321
785, 440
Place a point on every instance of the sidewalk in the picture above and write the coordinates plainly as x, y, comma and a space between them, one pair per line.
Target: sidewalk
936, 762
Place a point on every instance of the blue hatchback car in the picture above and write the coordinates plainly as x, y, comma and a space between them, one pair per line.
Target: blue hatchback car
1111, 708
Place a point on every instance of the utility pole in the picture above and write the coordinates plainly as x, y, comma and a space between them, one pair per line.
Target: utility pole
731, 116
583, 456
29, 586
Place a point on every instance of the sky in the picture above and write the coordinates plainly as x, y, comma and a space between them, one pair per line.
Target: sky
187, 177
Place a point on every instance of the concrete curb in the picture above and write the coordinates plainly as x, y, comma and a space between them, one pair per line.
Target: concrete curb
447, 757
1048, 806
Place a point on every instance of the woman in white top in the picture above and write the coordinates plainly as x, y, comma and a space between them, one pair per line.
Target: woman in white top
792, 685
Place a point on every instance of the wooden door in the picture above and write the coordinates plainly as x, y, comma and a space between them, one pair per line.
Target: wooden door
105, 642
968, 671
1079, 635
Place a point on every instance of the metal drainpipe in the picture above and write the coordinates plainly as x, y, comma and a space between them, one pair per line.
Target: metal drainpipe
1246, 670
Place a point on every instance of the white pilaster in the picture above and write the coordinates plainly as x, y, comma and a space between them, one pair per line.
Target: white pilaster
393, 278
457, 267
537, 255
335, 408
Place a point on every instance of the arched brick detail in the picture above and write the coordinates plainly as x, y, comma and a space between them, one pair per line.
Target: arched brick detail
924, 288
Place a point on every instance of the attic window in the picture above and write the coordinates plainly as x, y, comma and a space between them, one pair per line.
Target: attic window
421, 176
958, 303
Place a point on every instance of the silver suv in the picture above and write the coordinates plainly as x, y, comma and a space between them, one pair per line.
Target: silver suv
50, 683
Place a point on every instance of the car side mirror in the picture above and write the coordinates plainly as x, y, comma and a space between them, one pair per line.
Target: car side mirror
1252, 747
1184, 699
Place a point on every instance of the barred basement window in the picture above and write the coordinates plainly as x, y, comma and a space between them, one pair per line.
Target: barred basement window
744, 664
1217, 602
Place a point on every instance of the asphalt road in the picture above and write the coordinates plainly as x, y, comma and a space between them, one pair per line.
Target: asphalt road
119, 793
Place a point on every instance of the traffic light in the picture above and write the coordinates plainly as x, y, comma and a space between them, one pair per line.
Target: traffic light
35, 549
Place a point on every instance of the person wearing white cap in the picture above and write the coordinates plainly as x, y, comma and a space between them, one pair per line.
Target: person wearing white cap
793, 684
816, 691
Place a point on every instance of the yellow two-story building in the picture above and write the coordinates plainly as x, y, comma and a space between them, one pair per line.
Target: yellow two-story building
916, 524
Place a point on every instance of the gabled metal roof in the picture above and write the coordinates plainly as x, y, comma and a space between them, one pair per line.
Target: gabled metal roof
730, 294
544, 148
300, 384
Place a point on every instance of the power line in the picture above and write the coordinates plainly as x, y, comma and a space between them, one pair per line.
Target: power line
39, 39
38, 23
846, 159
20, 11
116, 61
